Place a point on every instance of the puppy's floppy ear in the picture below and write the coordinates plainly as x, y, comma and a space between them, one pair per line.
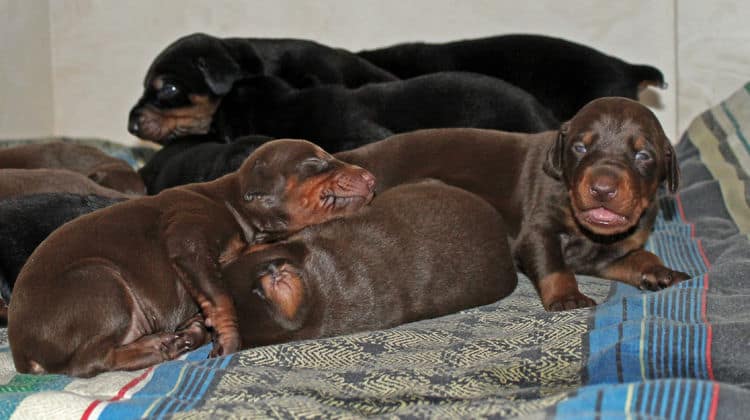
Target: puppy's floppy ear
553, 165
220, 71
672, 168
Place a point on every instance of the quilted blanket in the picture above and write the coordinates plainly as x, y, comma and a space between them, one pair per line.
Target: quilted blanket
680, 353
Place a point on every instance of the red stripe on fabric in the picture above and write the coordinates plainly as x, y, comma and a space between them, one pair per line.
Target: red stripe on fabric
120, 394
709, 343
714, 402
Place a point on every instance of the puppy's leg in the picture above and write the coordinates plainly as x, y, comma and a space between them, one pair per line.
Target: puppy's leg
540, 256
644, 270
196, 262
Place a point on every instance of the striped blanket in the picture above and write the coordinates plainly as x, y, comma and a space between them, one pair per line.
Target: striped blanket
679, 353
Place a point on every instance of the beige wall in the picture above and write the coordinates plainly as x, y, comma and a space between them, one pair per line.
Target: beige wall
26, 106
101, 49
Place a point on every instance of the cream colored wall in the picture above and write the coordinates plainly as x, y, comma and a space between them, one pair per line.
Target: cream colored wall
100, 49
26, 106
713, 41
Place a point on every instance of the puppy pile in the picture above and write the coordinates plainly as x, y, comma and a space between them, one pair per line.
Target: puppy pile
516, 152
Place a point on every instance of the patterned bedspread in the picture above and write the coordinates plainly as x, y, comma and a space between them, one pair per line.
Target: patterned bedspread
680, 353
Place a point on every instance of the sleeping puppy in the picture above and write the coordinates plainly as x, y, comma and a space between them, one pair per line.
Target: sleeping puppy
196, 159
17, 182
562, 75
579, 199
338, 118
148, 265
26, 221
89, 161
419, 251
187, 81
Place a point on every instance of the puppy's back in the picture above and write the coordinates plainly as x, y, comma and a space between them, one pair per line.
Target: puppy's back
421, 250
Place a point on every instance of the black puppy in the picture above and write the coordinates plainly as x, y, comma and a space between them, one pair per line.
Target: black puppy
337, 118
563, 75
196, 159
186, 81
26, 221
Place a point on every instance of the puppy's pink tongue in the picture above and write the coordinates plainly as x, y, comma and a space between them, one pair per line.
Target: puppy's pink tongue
602, 215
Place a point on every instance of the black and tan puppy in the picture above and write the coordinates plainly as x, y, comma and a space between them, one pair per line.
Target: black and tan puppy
187, 81
196, 159
562, 75
26, 221
147, 266
338, 118
577, 200
89, 161
418, 251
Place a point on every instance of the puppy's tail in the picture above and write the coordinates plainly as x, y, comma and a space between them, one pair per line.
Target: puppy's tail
647, 76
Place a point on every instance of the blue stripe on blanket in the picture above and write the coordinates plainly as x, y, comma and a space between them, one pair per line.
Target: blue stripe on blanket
637, 336
174, 387
669, 399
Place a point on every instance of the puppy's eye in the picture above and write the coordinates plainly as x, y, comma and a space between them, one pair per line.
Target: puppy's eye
168, 92
313, 165
579, 147
643, 156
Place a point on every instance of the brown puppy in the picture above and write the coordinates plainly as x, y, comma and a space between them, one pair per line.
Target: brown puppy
576, 200
418, 251
117, 289
18, 182
87, 160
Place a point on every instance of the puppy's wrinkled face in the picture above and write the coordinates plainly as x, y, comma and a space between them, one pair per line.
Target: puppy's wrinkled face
612, 156
183, 88
287, 185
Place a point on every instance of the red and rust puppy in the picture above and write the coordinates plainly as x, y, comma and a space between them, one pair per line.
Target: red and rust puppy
19, 182
122, 284
420, 250
577, 200
103, 169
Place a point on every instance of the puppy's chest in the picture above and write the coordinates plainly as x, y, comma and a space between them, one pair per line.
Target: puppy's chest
586, 256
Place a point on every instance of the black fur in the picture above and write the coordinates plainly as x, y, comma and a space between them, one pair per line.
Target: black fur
26, 221
196, 159
563, 75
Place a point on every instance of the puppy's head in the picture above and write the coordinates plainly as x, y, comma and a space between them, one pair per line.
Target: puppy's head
286, 185
612, 156
184, 86
273, 287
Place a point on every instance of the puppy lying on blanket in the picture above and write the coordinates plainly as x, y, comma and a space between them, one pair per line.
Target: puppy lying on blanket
196, 159
187, 80
418, 251
338, 118
577, 200
17, 182
26, 221
562, 75
103, 169
147, 266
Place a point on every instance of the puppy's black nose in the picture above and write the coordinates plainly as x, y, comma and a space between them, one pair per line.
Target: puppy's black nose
603, 189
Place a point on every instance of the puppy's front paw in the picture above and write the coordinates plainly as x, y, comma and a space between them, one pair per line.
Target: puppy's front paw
571, 300
225, 344
660, 277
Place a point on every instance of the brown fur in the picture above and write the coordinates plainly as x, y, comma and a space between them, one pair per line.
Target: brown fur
543, 188
113, 289
419, 251
89, 161
18, 182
